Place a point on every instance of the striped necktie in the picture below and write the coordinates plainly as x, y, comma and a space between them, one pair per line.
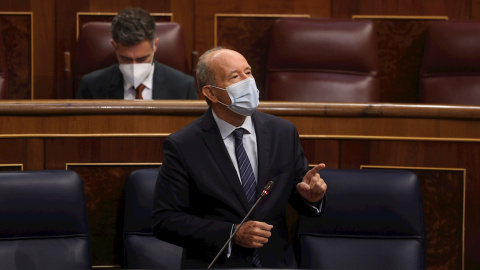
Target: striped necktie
248, 178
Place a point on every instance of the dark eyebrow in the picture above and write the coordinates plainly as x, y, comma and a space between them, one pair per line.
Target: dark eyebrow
130, 59
141, 58
126, 58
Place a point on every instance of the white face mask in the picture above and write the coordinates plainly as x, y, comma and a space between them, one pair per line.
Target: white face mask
135, 74
244, 96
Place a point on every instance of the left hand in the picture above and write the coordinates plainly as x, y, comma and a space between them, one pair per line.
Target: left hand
312, 188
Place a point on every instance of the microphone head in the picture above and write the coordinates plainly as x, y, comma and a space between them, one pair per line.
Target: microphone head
267, 188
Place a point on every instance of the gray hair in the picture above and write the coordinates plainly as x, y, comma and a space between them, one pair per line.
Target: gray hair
205, 75
132, 26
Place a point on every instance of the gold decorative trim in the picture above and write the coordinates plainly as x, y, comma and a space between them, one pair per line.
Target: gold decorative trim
93, 135
112, 14
304, 136
32, 64
395, 17
113, 164
246, 15
463, 170
13, 165
16, 13
388, 138
260, 15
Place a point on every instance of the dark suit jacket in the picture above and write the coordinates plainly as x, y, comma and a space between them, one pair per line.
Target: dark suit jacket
198, 195
107, 83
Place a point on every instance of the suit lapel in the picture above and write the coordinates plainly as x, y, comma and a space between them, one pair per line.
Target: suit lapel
159, 90
213, 141
115, 90
263, 132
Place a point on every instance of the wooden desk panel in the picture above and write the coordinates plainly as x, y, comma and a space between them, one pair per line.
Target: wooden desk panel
104, 140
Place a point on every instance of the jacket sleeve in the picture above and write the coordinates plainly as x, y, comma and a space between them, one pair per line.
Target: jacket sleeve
301, 168
173, 219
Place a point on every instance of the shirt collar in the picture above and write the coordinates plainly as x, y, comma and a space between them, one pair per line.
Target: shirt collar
227, 129
148, 82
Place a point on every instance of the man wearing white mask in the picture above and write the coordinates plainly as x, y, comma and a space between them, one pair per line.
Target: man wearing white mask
137, 75
215, 168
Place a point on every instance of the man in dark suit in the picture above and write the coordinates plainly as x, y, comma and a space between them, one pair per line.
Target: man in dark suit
199, 196
138, 75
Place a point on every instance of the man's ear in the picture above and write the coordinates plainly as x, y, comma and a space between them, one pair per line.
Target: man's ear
155, 45
113, 44
208, 92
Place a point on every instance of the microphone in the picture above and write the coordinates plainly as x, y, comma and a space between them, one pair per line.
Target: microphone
265, 192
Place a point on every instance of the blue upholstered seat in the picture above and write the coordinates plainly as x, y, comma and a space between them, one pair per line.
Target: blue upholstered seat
373, 220
43, 221
142, 249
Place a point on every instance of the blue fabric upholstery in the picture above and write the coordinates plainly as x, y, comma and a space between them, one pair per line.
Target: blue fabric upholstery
142, 249
373, 220
43, 221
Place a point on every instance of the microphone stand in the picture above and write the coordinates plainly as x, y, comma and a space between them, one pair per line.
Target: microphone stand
265, 191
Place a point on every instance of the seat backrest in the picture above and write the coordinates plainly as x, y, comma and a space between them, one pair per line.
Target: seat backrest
450, 72
3, 71
95, 51
322, 60
43, 221
373, 220
142, 249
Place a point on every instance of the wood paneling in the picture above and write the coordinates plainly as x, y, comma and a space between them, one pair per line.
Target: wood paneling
103, 164
104, 140
30, 152
104, 194
205, 11
444, 216
475, 10
65, 40
16, 29
183, 11
43, 87
400, 49
453, 9
322, 151
249, 34
85, 149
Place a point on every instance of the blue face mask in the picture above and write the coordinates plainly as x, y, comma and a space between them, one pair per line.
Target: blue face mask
244, 96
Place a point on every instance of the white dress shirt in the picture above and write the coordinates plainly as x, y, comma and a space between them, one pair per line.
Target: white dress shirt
130, 93
249, 142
